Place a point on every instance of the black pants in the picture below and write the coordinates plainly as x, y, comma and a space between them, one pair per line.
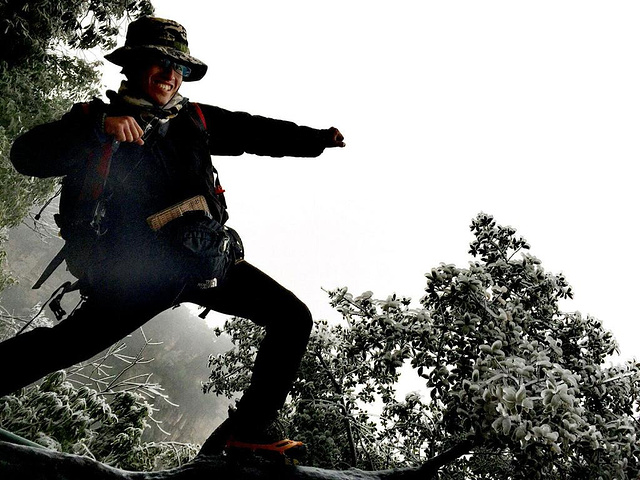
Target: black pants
108, 315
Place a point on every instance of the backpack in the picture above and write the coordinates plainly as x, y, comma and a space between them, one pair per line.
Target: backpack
82, 204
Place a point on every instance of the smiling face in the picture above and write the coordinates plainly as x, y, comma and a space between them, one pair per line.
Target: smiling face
159, 84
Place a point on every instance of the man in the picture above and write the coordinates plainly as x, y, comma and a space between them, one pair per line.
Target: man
142, 213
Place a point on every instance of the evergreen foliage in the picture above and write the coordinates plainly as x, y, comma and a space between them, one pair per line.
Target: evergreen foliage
61, 416
98, 410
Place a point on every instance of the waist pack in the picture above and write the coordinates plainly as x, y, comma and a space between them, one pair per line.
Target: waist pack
204, 248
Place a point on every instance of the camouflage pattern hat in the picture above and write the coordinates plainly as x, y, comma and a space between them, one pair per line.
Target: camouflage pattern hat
150, 36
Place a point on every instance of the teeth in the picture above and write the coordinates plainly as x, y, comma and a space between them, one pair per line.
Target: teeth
164, 86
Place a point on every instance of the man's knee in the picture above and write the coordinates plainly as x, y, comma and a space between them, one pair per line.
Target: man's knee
306, 320
297, 317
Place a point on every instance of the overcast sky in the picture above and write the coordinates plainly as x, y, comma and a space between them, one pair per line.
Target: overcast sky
528, 111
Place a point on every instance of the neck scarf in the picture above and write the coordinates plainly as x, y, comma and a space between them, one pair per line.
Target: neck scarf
149, 112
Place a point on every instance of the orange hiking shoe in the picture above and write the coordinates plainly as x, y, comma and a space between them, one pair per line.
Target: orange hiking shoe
288, 452
283, 447
241, 439
266, 444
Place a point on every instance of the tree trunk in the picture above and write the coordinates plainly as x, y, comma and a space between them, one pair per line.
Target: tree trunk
19, 462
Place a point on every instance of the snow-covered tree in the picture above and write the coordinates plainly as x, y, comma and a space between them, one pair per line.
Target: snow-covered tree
98, 409
522, 387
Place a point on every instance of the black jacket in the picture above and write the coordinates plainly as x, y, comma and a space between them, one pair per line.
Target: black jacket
174, 164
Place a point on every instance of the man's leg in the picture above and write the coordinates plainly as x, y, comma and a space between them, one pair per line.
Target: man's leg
95, 326
249, 293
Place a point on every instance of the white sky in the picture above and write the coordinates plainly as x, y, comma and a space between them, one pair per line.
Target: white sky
528, 111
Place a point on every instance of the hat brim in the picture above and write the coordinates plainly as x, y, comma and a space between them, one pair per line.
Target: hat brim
123, 56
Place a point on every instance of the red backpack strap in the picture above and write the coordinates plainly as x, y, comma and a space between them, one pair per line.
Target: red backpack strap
98, 166
201, 122
199, 117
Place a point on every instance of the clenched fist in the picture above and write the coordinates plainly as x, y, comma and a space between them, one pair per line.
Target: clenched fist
124, 129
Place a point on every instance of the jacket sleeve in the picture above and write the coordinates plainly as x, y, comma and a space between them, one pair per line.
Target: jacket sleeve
55, 149
235, 133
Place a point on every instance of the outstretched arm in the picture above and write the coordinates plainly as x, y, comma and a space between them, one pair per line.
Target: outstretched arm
235, 133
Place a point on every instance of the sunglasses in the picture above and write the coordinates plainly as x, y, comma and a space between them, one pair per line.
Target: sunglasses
181, 69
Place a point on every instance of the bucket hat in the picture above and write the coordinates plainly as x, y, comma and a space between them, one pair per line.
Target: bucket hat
149, 36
